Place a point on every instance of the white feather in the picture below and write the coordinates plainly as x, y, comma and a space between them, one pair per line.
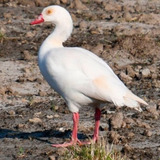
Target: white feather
78, 75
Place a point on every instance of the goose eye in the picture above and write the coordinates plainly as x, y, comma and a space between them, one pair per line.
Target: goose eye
49, 11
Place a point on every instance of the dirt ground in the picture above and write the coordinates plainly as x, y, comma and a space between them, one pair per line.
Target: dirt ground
126, 34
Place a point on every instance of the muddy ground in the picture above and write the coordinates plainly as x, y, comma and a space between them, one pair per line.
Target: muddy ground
124, 33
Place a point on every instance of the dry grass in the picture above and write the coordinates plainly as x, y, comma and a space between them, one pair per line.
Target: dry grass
2, 36
98, 151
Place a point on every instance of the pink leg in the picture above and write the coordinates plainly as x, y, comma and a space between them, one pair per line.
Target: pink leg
74, 139
97, 122
96, 129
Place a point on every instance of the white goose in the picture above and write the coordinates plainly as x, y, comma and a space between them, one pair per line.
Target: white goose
78, 75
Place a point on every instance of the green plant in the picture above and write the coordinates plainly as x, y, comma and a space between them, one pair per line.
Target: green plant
98, 151
53, 107
21, 152
2, 37
30, 100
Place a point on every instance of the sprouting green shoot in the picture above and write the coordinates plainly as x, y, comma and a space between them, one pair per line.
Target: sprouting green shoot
98, 151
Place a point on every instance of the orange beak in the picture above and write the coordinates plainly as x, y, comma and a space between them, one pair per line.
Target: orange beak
38, 20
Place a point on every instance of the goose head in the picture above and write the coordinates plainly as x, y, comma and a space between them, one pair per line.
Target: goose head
58, 16
54, 14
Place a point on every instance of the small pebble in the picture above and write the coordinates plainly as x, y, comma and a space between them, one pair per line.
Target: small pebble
49, 116
146, 73
98, 49
35, 120
27, 55
114, 137
42, 93
19, 126
64, 1
83, 25
56, 116
37, 114
152, 108
129, 121
61, 129
127, 148
148, 133
12, 113
131, 134
125, 77
116, 120
52, 157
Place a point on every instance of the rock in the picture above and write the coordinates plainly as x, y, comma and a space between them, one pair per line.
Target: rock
153, 68
30, 34
112, 6
75, 20
31, 79
104, 127
100, 29
56, 116
98, 49
94, 30
152, 108
123, 124
49, 116
84, 1
11, 112
146, 73
154, 76
130, 71
8, 90
26, 3
83, 25
40, 80
56, 108
137, 70
78, 5
7, 15
61, 129
52, 157
145, 125
142, 124
20, 126
64, 124
98, 1
116, 120
148, 133
127, 148
26, 70
42, 93
129, 121
131, 135
114, 137
158, 106
3, 30
21, 79
26, 55
37, 114
156, 83
64, 1
40, 3
125, 77
127, 16
35, 120
2, 90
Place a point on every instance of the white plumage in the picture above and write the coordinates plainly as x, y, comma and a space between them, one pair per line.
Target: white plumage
78, 75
